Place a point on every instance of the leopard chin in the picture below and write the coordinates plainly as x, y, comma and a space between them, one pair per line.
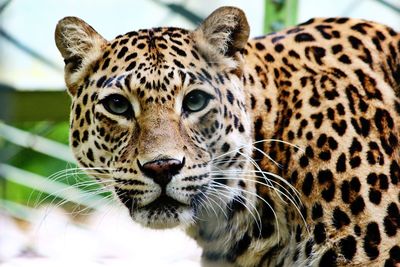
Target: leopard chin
163, 213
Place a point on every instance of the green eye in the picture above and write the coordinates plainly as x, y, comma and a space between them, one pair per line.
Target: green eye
195, 101
118, 105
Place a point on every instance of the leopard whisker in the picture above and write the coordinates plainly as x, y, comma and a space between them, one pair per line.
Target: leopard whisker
86, 195
208, 200
255, 164
263, 200
292, 201
200, 202
237, 149
77, 170
222, 161
72, 187
280, 178
67, 187
279, 141
287, 195
280, 166
108, 200
254, 174
51, 207
233, 190
276, 191
58, 176
217, 204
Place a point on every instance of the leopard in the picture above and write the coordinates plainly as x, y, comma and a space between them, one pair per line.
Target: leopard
278, 150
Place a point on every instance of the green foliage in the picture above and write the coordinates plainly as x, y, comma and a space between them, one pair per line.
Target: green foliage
279, 14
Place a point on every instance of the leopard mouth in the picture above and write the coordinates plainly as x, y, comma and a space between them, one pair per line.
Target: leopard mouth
164, 212
162, 203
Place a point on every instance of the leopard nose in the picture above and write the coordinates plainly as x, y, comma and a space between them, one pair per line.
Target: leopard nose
161, 170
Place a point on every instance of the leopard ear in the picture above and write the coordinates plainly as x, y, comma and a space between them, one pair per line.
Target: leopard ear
79, 45
225, 31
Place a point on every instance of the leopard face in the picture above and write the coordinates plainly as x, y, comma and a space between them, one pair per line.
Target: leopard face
156, 119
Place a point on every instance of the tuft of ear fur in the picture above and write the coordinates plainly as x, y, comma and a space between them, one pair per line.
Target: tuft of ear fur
223, 33
79, 45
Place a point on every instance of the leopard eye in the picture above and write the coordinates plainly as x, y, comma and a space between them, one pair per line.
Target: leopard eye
118, 105
196, 100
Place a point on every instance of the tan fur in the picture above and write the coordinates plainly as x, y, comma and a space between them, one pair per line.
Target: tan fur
223, 32
75, 38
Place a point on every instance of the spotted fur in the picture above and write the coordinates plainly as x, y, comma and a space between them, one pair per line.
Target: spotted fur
294, 161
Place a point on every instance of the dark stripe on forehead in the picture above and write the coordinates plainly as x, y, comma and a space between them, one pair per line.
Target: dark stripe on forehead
127, 82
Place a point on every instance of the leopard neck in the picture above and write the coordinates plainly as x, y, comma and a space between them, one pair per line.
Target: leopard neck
250, 237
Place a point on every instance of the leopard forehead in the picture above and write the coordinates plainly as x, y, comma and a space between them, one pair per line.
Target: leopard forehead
155, 65
147, 61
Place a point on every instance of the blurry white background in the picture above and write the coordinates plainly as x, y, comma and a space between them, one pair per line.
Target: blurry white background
105, 238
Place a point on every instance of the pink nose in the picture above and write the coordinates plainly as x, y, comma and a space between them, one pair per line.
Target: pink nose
162, 170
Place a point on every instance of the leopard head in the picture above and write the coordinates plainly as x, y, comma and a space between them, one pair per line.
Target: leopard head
159, 115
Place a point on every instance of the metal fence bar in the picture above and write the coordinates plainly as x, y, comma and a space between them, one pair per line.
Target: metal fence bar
390, 5
28, 50
53, 188
36, 142
16, 210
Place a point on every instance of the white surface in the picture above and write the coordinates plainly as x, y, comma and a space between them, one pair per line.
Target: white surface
107, 238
